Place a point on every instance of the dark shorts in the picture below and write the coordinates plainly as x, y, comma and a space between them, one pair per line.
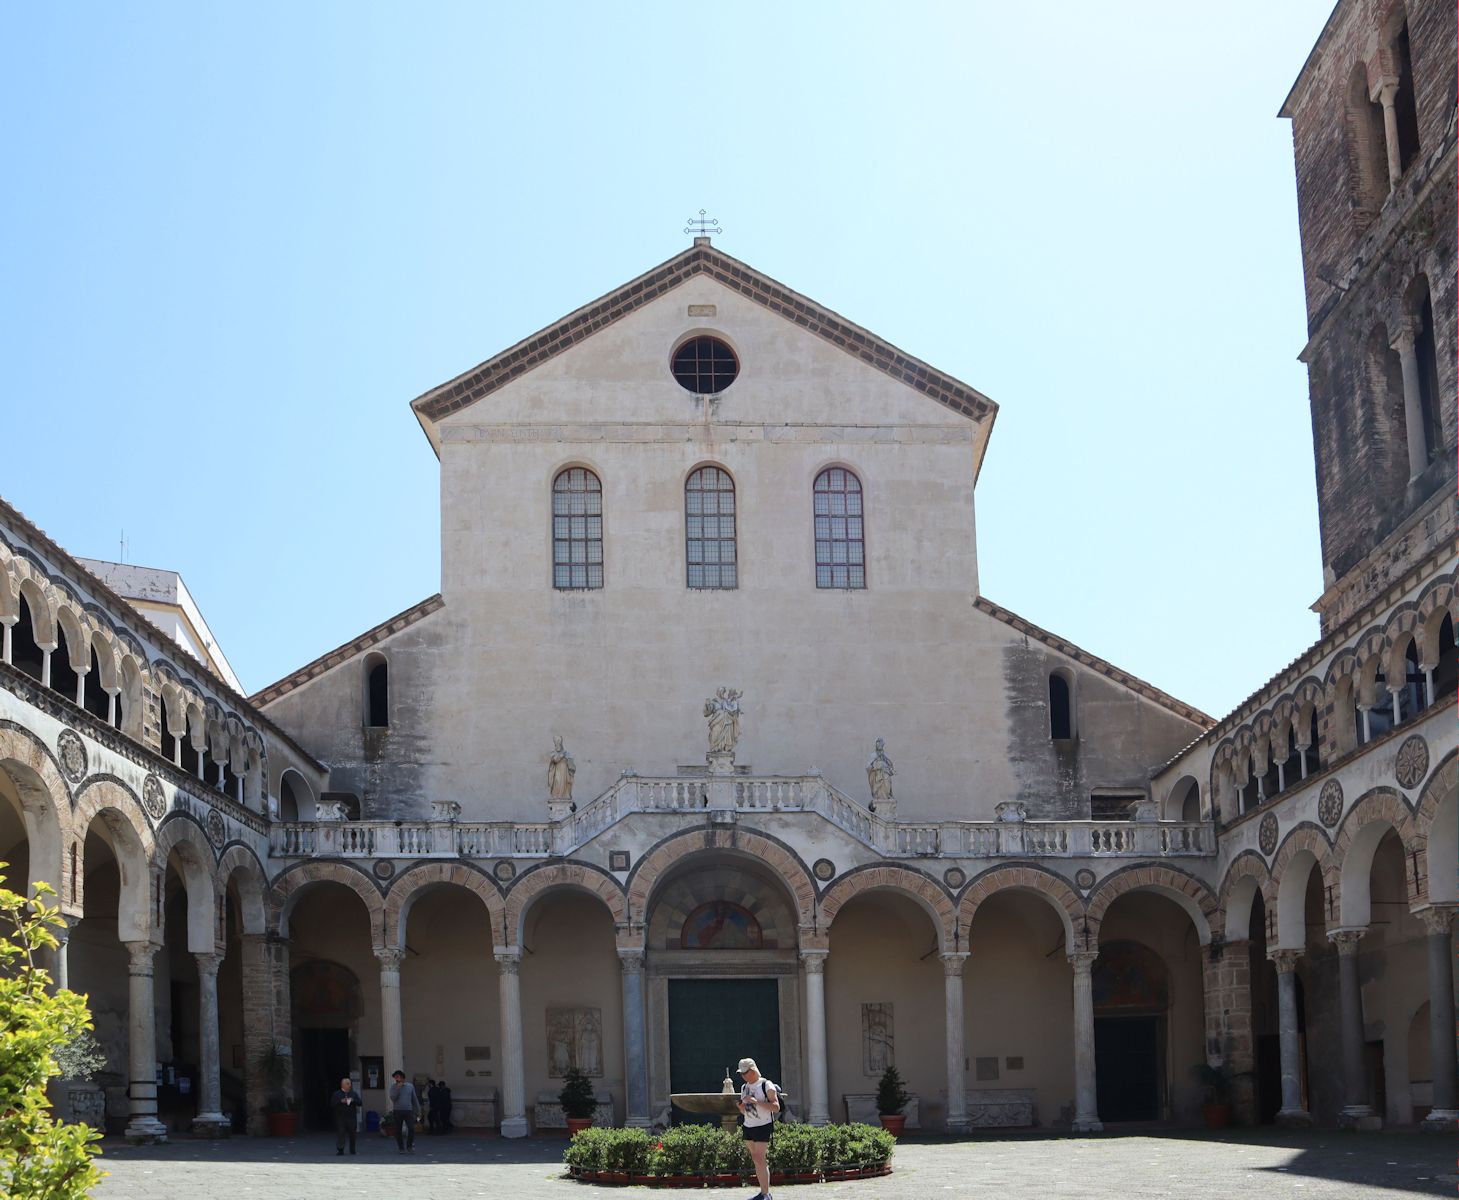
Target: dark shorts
758, 1133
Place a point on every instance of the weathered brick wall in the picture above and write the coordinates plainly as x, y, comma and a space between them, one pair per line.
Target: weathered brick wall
1365, 257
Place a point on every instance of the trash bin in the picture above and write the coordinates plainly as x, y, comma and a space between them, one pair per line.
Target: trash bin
372, 1121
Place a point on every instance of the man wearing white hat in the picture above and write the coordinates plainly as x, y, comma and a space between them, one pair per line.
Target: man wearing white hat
759, 1102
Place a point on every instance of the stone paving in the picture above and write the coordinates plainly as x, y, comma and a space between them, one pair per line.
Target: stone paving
1274, 1166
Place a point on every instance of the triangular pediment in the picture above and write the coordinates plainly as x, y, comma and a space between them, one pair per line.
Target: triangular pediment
701, 259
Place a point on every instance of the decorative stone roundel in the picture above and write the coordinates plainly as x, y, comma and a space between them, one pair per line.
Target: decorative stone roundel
383, 868
1412, 763
72, 752
825, 869
954, 877
1329, 804
1266, 836
153, 798
1084, 877
505, 870
217, 829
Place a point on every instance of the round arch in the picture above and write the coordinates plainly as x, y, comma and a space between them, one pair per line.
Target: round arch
1245, 879
1370, 818
747, 843
408, 886
44, 803
241, 862
104, 799
182, 836
893, 877
289, 886
1042, 882
1437, 825
1187, 891
533, 884
1304, 848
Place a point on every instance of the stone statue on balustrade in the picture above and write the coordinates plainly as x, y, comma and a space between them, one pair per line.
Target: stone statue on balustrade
879, 772
560, 770
723, 712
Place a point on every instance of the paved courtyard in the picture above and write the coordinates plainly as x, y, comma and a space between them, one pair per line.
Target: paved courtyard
1310, 1166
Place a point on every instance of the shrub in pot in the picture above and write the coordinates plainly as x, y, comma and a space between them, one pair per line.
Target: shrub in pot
275, 1067
1217, 1079
577, 1100
891, 1098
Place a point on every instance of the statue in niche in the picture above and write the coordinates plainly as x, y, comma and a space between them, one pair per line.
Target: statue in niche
723, 712
879, 774
560, 770
876, 1039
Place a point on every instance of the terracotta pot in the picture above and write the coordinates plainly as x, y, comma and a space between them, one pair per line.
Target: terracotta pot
578, 1124
1218, 1116
283, 1124
893, 1123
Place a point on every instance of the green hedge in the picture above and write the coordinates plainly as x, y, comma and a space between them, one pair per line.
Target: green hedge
710, 1150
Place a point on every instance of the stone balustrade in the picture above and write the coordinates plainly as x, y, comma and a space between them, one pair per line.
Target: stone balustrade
755, 796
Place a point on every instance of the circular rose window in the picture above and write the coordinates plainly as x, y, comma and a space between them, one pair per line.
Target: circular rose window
705, 366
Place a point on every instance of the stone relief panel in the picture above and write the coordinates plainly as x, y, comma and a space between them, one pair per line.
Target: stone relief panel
574, 1039
877, 1039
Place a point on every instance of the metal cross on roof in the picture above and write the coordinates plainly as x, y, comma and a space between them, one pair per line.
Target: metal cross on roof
702, 226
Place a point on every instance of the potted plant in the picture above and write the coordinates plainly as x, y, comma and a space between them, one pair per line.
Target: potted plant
577, 1100
275, 1065
83, 1101
1217, 1079
891, 1098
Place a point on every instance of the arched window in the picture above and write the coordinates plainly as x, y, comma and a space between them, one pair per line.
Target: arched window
1425, 347
63, 675
840, 533
1380, 715
1405, 111
24, 653
1368, 144
709, 529
577, 530
1061, 709
1446, 673
377, 692
169, 743
1312, 755
93, 693
1411, 696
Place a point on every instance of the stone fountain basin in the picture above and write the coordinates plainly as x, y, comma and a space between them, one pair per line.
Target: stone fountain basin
719, 1104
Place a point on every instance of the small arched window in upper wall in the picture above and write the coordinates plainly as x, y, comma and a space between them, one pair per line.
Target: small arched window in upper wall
577, 530
840, 530
377, 692
1061, 709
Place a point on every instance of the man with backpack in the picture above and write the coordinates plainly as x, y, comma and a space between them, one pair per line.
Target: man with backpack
759, 1103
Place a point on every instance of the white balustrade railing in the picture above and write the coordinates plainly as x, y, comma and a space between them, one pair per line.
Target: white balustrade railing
761, 795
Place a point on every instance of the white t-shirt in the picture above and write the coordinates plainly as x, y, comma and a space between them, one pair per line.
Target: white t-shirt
756, 1098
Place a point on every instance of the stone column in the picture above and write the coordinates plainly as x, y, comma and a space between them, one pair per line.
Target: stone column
1229, 1037
210, 1120
1444, 1116
957, 1088
60, 956
46, 665
5, 641
392, 1036
1356, 1112
514, 1088
267, 1020
1086, 1101
1387, 92
142, 1123
818, 1109
1292, 1114
1413, 402
635, 1042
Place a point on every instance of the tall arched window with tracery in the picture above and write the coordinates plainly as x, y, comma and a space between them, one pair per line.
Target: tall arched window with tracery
840, 530
709, 530
577, 530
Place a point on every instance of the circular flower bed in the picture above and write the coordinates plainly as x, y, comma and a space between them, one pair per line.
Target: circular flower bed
700, 1155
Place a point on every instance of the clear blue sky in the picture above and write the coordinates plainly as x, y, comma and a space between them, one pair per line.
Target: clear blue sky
240, 238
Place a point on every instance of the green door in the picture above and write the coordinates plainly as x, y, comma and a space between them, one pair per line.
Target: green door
713, 1023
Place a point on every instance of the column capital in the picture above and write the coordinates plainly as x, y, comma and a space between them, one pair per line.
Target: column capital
1403, 335
142, 953
953, 963
1082, 960
814, 961
1285, 961
630, 959
1346, 940
208, 963
1437, 918
390, 958
508, 962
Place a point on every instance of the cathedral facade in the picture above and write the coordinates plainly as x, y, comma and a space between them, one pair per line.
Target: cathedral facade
711, 744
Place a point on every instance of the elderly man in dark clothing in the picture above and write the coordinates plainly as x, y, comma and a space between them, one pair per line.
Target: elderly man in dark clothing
345, 1107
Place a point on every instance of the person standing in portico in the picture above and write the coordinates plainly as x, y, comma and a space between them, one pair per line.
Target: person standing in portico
759, 1102
345, 1105
405, 1108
